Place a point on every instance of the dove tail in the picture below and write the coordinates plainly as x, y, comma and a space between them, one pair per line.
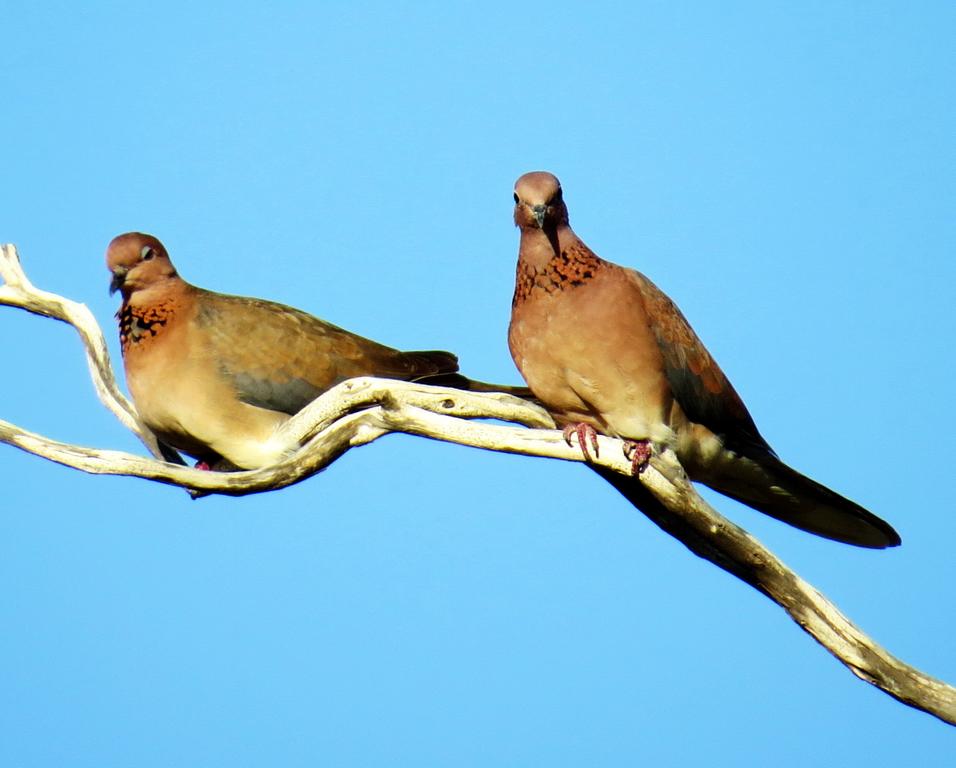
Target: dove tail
433, 362
441, 370
770, 486
460, 381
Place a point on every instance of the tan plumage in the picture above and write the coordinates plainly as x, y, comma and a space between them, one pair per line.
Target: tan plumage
602, 346
214, 375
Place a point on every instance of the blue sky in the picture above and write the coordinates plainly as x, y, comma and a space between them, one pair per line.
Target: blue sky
784, 171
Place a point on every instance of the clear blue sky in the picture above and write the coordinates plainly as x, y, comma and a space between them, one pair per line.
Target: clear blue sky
785, 171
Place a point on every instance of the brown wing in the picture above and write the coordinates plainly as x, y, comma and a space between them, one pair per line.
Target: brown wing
701, 389
281, 358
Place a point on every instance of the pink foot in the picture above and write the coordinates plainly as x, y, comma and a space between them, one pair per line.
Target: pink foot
585, 434
639, 452
203, 466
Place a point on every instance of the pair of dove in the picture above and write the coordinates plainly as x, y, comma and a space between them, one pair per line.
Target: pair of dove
599, 345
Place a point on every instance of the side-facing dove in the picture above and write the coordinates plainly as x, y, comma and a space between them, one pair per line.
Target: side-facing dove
606, 351
215, 375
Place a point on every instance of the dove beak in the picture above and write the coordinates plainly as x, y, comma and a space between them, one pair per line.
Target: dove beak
539, 212
119, 277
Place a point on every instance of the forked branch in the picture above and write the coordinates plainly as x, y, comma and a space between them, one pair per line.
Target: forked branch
359, 411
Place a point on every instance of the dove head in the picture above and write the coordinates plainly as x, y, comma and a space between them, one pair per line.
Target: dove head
137, 261
538, 201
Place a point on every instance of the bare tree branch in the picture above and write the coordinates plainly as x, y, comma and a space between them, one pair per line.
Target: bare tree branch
361, 410
18, 291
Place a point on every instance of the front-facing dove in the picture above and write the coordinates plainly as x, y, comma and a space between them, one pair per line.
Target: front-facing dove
606, 351
215, 375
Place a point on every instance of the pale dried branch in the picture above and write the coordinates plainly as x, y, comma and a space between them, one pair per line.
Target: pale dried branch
359, 411
18, 291
684, 514
353, 413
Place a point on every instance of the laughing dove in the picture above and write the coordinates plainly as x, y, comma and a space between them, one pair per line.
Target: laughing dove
605, 350
215, 375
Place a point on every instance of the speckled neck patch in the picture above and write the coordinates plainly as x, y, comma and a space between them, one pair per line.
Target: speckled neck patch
570, 268
139, 324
